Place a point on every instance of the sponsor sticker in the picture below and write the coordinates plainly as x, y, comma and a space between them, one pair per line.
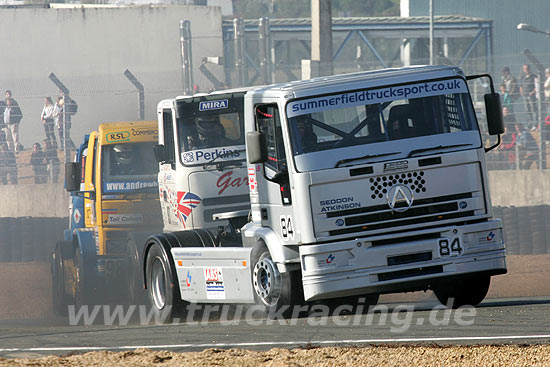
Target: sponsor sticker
328, 261
117, 136
128, 185
252, 179
363, 97
187, 201
343, 203
215, 288
122, 219
219, 104
77, 216
201, 156
145, 132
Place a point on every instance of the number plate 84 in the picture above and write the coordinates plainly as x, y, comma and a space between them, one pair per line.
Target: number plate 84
450, 247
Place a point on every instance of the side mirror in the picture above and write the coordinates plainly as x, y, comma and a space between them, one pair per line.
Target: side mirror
160, 154
72, 176
254, 147
493, 108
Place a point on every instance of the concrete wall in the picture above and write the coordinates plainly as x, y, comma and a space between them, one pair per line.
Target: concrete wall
34, 201
89, 48
508, 188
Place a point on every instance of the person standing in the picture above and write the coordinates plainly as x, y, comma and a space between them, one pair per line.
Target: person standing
12, 117
528, 91
70, 108
47, 117
510, 84
59, 119
38, 165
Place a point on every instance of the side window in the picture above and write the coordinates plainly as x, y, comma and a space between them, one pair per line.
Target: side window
269, 124
168, 128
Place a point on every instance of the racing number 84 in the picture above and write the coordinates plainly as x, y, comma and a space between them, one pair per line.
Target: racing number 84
449, 247
287, 229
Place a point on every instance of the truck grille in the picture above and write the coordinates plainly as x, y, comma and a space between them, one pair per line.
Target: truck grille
381, 216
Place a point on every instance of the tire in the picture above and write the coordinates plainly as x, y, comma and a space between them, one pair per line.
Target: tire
272, 289
60, 300
135, 294
162, 288
81, 288
457, 293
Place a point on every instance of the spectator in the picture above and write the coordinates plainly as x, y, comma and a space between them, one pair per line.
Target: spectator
506, 98
546, 88
51, 160
47, 117
2, 124
529, 93
70, 108
507, 148
59, 118
527, 146
38, 164
510, 83
8, 165
12, 117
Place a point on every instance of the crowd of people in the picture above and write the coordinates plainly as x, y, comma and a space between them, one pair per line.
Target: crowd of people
526, 110
44, 158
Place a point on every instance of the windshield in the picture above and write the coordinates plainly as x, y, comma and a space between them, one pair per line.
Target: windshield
129, 166
211, 128
380, 115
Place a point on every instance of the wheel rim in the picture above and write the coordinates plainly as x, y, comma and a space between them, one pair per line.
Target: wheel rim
158, 283
267, 281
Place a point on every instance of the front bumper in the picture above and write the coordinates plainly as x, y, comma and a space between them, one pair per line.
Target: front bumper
403, 262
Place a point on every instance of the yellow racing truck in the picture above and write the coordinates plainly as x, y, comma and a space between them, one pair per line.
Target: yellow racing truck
114, 193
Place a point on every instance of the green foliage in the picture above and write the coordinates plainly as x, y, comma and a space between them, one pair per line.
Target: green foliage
302, 8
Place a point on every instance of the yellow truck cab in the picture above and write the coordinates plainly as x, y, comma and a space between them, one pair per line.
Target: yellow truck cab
114, 193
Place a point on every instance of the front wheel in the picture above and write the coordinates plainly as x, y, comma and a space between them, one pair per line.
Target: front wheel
60, 300
462, 292
162, 290
273, 290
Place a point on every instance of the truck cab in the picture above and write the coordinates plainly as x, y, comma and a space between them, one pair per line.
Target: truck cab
202, 164
374, 183
114, 191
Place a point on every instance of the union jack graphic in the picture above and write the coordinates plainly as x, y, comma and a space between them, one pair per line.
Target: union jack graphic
186, 203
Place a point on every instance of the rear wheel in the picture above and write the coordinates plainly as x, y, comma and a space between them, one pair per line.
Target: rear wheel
462, 292
162, 290
272, 289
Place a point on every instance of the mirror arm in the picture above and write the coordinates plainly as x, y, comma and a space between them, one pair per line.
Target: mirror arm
493, 146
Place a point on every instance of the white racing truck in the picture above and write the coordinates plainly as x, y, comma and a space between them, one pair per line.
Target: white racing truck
360, 184
202, 172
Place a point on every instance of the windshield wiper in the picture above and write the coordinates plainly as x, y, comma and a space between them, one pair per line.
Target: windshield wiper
220, 165
421, 150
347, 160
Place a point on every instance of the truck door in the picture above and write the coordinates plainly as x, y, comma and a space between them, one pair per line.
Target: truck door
89, 183
167, 171
274, 189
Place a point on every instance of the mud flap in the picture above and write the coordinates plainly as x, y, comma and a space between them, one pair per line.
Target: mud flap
214, 275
